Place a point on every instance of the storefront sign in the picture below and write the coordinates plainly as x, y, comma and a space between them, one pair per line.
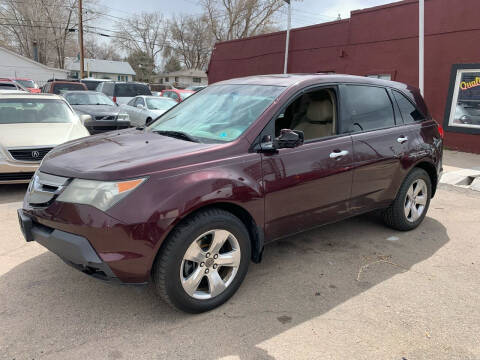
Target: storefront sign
463, 105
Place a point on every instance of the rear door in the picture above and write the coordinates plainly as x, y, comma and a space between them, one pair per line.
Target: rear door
380, 142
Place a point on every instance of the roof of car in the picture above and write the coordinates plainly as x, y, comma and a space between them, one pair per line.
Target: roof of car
82, 92
28, 95
178, 90
288, 80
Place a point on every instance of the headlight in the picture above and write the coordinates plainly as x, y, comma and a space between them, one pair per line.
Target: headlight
100, 194
123, 117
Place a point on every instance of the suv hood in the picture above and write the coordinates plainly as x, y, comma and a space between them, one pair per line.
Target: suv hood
121, 155
39, 134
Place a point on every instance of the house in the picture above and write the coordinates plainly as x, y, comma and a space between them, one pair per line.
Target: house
183, 78
100, 69
381, 42
13, 65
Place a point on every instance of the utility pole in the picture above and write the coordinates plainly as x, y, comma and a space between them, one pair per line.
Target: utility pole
80, 38
285, 66
421, 46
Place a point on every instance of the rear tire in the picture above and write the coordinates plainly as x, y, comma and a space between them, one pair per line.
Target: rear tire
203, 261
411, 204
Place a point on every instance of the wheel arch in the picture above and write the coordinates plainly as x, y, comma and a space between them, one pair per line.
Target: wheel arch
431, 171
254, 230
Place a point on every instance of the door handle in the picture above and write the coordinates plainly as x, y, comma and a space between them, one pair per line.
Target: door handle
337, 154
402, 139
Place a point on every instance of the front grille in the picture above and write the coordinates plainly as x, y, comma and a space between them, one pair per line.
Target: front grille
108, 117
44, 188
16, 176
29, 154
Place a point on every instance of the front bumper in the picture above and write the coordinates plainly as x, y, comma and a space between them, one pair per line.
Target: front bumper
16, 172
101, 126
73, 249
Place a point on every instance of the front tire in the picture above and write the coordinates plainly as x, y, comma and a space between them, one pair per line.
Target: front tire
203, 262
411, 204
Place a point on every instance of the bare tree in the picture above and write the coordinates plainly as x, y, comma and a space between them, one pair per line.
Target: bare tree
47, 25
145, 33
100, 50
234, 19
190, 41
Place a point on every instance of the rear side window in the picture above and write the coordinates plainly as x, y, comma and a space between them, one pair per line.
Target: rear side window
91, 85
131, 90
59, 88
107, 88
367, 108
409, 112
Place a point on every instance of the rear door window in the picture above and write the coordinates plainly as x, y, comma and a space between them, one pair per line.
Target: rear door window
410, 113
131, 90
367, 108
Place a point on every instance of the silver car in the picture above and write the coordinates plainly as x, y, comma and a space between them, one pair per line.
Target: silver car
144, 109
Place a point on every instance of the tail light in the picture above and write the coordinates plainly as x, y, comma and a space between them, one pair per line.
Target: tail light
115, 99
441, 131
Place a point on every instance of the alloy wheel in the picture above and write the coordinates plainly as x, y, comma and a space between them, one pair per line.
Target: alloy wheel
210, 264
416, 200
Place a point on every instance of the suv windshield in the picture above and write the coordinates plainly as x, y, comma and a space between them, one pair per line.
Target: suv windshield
85, 98
160, 103
131, 90
13, 111
220, 112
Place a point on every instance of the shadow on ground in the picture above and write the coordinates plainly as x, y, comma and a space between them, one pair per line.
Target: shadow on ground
13, 192
47, 308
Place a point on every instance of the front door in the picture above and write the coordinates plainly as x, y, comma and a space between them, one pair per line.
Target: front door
309, 185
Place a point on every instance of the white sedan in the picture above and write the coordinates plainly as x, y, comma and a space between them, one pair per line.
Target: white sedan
144, 109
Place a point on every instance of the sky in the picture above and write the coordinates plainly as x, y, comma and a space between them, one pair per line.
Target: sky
304, 12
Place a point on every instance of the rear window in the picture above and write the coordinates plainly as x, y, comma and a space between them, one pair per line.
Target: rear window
59, 88
27, 83
131, 90
410, 113
368, 108
91, 85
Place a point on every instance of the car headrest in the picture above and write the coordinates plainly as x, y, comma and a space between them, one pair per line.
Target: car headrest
320, 111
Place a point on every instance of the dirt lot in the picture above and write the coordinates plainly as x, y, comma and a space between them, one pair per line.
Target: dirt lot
352, 290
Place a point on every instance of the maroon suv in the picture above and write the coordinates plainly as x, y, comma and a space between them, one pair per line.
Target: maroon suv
191, 199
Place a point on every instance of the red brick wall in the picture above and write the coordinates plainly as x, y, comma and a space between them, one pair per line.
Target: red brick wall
378, 40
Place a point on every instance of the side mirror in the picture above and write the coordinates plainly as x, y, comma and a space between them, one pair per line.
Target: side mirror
85, 118
289, 139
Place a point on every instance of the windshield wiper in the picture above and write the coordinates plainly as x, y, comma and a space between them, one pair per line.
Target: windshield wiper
177, 135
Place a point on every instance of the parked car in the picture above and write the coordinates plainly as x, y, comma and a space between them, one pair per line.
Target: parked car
467, 113
190, 200
196, 87
29, 84
11, 85
123, 92
144, 109
177, 95
60, 86
93, 83
106, 115
30, 126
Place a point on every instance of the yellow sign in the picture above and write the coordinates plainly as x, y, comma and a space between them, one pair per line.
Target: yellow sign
465, 85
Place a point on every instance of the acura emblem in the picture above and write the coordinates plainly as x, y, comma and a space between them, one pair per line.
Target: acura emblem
35, 154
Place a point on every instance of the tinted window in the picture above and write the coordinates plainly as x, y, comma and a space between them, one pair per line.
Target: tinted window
409, 112
91, 84
59, 88
107, 88
131, 90
367, 108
